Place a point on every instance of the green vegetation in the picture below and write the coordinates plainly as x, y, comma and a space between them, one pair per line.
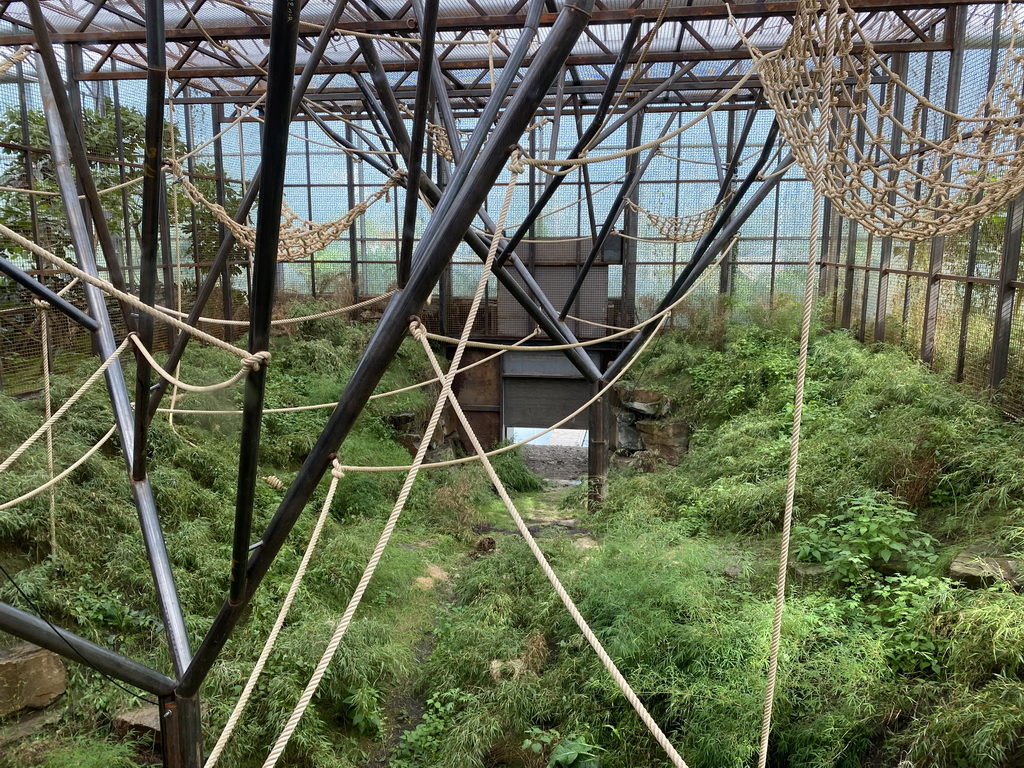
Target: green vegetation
463, 657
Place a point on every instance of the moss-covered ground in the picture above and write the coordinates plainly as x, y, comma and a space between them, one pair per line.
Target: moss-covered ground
462, 656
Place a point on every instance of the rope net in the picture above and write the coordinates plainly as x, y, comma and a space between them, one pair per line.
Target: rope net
679, 229
859, 131
299, 237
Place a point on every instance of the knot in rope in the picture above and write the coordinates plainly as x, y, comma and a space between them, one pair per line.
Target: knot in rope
336, 471
256, 359
41, 303
274, 482
516, 166
417, 330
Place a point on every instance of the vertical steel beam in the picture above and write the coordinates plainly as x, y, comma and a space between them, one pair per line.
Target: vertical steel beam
597, 448
972, 254
280, 79
152, 175
353, 242
224, 233
1006, 293
206, 288
957, 19
419, 134
435, 249
47, 61
899, 66
142, 492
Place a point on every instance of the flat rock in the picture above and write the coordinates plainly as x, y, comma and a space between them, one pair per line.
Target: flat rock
808, 570
667, 440
643, 401
976, 571
30, 678
144, 721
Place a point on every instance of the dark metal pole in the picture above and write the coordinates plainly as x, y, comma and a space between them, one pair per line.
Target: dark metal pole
47, 61
209, 283
625, 189
221, 187
597, 448
435, 249
71, 646
283, 39
142, 491
602, 109
390, 113
353, 242
166, 257
709, 246
444, 106
958, 31
419, 134
59, 303
156, 78
1006, 293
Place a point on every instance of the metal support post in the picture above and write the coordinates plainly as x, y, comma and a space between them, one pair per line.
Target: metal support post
142, 492
280, 69
1006, 293
152, 173
419, 135
597, 448
205, 289
957, 19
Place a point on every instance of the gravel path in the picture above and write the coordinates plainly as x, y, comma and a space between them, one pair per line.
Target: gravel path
556, 462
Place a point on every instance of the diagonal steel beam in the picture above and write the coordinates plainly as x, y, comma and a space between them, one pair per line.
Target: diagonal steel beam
433, 254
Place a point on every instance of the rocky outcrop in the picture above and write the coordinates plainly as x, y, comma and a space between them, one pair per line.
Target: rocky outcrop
30, 678
642, 425
976, 569
143, 722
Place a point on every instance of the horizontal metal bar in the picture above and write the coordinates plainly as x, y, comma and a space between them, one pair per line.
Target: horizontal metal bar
59, 303
464, 23
71, 646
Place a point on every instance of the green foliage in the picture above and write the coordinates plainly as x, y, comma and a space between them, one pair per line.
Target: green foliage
865, 534
513, 472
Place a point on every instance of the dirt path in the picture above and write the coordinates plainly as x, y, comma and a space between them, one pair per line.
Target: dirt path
556, 462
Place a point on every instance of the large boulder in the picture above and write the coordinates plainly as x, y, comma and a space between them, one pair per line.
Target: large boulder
627, 436
645, 402
975, 569
668, 440
30, 678
143, 722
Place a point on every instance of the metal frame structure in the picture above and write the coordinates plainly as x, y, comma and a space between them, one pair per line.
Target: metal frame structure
564, 61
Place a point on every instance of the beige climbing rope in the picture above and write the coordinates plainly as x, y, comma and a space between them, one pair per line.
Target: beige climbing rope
282, 615
830, 32
48, 424
516, 168
563, 595
19, 56
57, 478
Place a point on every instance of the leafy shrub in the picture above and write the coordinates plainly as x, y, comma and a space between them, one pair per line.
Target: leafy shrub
867, 533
